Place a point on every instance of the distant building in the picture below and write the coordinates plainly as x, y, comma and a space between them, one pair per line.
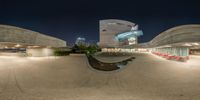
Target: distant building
80, 41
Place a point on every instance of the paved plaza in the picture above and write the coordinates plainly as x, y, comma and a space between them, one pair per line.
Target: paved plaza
148, 77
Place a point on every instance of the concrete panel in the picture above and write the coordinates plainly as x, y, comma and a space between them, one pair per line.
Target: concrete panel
40, 52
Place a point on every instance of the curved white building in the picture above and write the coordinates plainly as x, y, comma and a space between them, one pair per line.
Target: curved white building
33, 43
179, 41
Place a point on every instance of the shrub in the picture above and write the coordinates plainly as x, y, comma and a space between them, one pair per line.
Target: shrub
61, 53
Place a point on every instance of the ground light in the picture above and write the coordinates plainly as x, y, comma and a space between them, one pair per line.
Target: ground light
17, 45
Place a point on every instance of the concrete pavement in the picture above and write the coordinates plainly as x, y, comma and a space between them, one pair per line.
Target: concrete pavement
148, 77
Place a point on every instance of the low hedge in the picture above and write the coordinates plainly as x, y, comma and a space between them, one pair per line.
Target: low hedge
61, 53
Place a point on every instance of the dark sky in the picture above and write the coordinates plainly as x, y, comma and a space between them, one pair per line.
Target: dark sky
70, 19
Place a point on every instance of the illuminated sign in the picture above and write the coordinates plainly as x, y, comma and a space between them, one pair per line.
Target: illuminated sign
127, 35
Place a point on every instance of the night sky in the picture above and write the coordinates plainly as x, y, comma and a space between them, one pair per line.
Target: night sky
70, 19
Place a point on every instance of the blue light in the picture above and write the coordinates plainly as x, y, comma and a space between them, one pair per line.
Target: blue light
126, 35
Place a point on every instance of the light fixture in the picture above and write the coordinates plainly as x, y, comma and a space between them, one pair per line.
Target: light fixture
36, 46
130, 43
18, 45
195, 43
167, 46
187, 44
33, 46
132, 39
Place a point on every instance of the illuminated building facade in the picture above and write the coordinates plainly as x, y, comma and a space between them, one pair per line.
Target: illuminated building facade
115, 34
19, 41
176, 43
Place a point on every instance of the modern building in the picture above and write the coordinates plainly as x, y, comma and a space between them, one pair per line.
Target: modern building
180, 41
80, 41
175, 43
26, 42
115, 34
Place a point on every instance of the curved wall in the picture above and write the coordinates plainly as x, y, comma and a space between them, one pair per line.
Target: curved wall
179, 34
13, 34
